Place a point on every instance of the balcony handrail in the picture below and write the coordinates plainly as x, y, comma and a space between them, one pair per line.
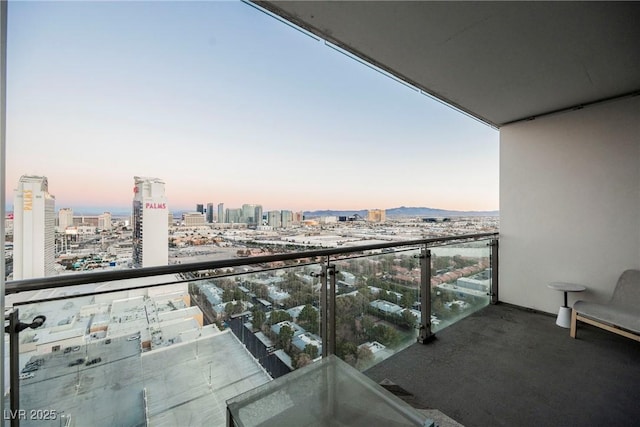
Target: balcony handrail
52, 282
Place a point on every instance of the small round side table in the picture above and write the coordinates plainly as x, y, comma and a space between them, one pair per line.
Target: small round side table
564, 314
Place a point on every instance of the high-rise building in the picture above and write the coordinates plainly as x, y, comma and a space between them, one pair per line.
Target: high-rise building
104, 221
34, 221
248, 213
86, 220
209, 213
150, 230
221, 218
200, 208
233, 216
8, 224
252, 214
65, 219
274, 219
376, 215
192, 219
286, 218
258, 215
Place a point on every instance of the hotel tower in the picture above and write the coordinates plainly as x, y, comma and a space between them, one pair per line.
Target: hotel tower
34, 221
150, 229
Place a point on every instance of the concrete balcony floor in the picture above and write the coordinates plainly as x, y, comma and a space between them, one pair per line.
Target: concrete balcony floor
507, 366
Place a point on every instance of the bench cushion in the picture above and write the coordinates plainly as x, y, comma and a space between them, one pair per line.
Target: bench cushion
627, 291
623, 316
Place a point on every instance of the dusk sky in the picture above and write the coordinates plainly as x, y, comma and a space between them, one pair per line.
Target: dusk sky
225, 104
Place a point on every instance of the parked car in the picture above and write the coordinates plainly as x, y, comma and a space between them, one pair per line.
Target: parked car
77, 362
67, 350
108, 341
26, 376
76, 348
37, 364
133, 337
93, 361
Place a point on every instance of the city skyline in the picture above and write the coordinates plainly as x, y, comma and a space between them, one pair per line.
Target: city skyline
128, 210
238, 108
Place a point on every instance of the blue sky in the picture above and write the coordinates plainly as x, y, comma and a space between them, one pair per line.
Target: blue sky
225, 104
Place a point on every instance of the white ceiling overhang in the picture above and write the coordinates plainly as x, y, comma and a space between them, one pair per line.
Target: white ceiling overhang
498, 61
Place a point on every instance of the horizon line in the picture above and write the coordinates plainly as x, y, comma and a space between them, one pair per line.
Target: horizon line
88, 210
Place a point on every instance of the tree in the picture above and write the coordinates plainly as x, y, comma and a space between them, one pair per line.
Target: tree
345, 348
284, 337
228, 308
261, 291
308, 319
311, 350
233, 308
364, 358
258, 318
408, 318
388, 296
227, 295
462, 262
385, 335
278, 316
440, 262
367, 325
409, 262
301, 360
407, 299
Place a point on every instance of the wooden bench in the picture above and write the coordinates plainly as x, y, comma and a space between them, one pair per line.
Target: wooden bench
621, 315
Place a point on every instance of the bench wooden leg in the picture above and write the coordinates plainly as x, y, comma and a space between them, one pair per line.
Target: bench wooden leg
574, 324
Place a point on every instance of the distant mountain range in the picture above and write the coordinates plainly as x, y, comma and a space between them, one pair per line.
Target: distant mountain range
394, 212
404, 211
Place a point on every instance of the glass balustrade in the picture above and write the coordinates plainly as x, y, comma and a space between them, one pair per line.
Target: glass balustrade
171, 349
377, 304
460, 281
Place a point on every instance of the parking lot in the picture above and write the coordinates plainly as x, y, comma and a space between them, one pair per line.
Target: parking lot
73, 382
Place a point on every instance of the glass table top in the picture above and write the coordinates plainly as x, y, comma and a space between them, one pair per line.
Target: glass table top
327, 393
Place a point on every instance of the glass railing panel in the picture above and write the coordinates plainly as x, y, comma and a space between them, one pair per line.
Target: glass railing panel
377, 304
163, 349
145, 356
460, 281
274, 313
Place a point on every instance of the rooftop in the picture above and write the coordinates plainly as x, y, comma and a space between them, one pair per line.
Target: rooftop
167, 387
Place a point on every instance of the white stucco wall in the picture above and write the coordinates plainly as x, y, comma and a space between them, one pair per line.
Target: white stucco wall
569, 203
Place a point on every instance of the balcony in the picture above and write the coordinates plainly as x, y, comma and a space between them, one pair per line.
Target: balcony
509, 366
169, 345
560, 81
160, 349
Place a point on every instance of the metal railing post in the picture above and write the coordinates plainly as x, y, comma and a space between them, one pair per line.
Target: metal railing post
13, 329
331, 271
324, 310
425, 334
494, 271
328, 309
14, 380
